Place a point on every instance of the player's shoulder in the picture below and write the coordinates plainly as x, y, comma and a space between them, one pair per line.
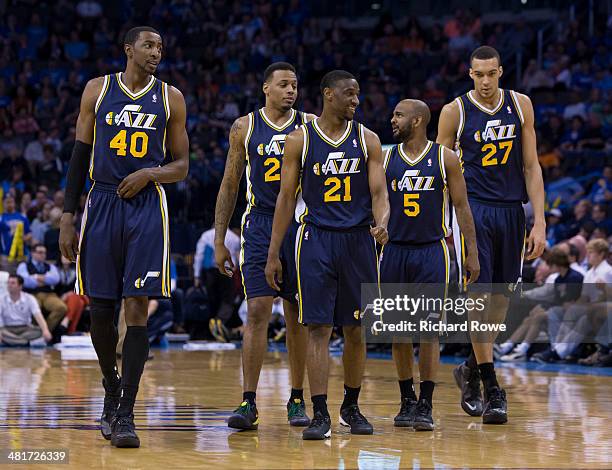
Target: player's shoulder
241, 125
367, 133
94, 86
451, 108
522, 98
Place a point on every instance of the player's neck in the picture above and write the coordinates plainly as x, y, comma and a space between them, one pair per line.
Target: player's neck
135, 79
331, 124
488, 103
276, 115
415, 146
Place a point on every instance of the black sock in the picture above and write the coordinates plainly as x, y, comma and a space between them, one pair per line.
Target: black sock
426, 390
319, 403
104, 338
297, 394
487, 374
471, 360
134, 355
407, 389
249, 396
351, 395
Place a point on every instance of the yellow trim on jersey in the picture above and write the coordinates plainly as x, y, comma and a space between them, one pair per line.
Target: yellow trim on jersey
419, 158
247, 140
484, 108
105, 87
445, 227
305, 147
514, 99
362, 142
98, 104
377, 259
167, 111
241, 256
93, 150
463, 262
297, 268
387, 158
461, 118
446, 266
129, 93
165, 260
270, 124
331, 142
79, 277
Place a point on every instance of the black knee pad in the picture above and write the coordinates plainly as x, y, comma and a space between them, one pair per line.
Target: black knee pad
102, 310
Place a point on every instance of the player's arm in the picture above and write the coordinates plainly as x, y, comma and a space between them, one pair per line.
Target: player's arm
228, 193
285, 204
79, 166
178, 144
448, 125
458, 193
378, 187
536, 242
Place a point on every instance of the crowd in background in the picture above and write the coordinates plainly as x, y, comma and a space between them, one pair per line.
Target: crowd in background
215, 51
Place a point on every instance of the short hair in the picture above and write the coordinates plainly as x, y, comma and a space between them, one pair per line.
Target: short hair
484, 53
270, 69
36, 245
600, 246
557, 257
333, 77
132, 35
574, 252
18, 277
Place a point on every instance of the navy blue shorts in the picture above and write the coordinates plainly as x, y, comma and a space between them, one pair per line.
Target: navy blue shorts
415, 264
255, 240
124, 248
331, 267
500, 237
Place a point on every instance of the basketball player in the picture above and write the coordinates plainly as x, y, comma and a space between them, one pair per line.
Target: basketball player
125, 122
338, 163
496, 142
420, 176
256, 142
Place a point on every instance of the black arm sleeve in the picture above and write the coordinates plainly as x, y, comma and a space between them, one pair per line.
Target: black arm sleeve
77, 173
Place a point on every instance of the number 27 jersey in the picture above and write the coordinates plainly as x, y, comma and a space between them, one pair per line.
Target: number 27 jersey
129, 129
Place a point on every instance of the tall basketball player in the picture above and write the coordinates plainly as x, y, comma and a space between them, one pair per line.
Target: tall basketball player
337, 164
493, 130
125, 122
257, 142
420, 176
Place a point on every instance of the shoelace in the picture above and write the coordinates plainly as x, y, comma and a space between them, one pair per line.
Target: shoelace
355, 415
406, 405
124, 423
317, 420
496, 398
244, 408
295, 409
422, 407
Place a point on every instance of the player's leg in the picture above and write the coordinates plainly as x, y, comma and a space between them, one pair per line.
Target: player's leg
297, 344
99, 276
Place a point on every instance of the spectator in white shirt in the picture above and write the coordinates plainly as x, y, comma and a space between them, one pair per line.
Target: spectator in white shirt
17, 308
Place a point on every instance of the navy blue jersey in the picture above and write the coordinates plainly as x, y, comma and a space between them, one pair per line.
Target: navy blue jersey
129, 129
265, 144
334, 191
490, 148
418, 195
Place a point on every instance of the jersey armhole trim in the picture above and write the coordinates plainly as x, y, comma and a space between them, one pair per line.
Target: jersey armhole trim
441, 151
166, 100
461, 117
387, 158
247, 138
105, 87
517, 105
305, 145
362, 141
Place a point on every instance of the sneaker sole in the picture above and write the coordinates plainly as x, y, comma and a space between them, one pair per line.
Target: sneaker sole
464, 406
126, 443
423, 426
300, 423
403, 424
241, 423
316, 437
360, 432
495, 418
103, 428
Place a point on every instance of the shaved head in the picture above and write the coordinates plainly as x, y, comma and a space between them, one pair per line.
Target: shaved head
410, 120
416, 108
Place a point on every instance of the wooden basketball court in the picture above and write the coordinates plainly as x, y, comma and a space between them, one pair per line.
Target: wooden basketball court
557, 420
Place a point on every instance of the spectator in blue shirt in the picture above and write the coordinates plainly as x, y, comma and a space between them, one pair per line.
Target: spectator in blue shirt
10, 221
602, 189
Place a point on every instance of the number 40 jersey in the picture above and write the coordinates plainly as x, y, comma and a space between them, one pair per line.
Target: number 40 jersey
129, 129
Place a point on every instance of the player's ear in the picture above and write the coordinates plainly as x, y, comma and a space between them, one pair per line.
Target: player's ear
501, 70
265, 87
471, 73
128, 50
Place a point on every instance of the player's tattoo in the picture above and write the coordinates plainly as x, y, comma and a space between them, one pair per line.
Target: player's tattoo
234, 167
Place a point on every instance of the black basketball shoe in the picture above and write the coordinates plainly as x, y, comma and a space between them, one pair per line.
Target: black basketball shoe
124, 432
405, 417
319, 428
423, 420
496, 407
352, 417
245, 417
111, 403
468, 380
296, 413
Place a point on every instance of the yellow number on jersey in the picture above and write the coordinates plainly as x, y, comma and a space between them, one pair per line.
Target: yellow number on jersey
491, 149
332, 194
272, 173
411, 207
139, 142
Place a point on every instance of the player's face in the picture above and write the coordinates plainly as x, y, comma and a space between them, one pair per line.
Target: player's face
402, 123
485, 73
345, 98
146, 51
281, 89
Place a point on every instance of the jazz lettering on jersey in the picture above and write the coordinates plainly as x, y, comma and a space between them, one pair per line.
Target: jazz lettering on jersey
131, 117
411, 184
339, 189
276, 146
497, 138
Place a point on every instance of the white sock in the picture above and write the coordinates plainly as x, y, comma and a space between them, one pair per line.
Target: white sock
506, 347
523, 347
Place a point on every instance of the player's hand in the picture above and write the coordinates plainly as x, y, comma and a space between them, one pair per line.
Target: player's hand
274, 272
536, 241
69, 245
133, 183
223, 260
472, 266
380, 235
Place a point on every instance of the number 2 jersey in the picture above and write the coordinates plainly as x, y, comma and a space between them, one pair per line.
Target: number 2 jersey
129, 129
334, 192
490, 148
418, 195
